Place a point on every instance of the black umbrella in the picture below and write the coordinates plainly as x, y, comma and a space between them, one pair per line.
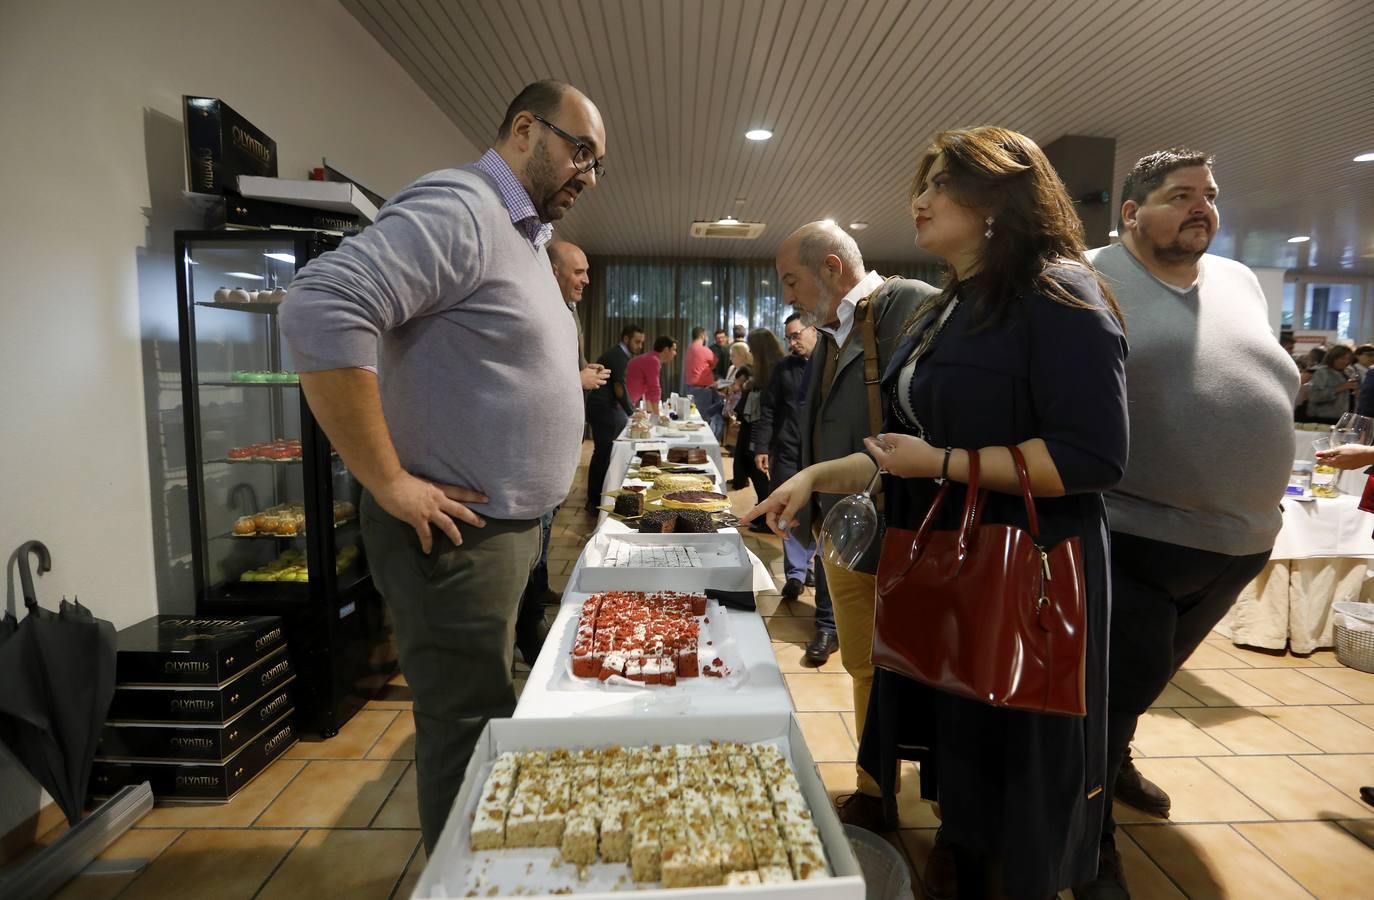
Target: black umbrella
56, 682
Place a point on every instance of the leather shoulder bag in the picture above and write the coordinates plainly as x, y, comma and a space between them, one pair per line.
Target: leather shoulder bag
985, 612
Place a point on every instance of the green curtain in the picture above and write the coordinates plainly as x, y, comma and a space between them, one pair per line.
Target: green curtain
667, 296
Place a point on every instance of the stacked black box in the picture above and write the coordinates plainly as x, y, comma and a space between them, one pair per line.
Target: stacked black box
201, 706
221, 145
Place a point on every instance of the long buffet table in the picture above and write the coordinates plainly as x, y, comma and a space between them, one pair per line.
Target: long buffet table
752, 703
759, 688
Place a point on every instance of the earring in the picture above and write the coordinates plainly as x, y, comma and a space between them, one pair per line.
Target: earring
988, 233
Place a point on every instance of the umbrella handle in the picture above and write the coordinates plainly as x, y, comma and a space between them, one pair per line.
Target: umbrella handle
25, 576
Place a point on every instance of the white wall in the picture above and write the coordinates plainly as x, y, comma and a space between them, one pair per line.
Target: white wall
90, 179
1271, 282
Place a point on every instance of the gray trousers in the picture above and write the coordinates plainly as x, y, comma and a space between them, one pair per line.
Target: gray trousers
454, 615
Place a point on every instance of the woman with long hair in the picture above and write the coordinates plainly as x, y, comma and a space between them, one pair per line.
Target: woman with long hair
1024, 347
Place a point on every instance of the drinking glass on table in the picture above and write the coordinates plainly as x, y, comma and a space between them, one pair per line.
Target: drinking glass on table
1324, 475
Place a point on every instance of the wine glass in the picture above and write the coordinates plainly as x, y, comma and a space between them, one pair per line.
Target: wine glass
850, 526
1352, 428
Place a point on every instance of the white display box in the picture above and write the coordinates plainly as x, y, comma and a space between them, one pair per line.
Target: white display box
725, 564
454, 870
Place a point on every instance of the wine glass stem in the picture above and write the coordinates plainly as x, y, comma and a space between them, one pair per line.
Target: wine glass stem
873, 482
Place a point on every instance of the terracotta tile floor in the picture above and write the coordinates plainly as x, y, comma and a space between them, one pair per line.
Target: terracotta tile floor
1263, 756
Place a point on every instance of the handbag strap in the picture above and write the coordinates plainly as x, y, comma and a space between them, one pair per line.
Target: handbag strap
1024, 475
873, 376
973, 507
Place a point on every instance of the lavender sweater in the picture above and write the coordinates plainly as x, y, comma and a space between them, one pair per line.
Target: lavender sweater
475, 348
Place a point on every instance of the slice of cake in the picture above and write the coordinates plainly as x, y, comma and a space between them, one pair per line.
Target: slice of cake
629, 504
658, 521
650, 458
489, 827
579, 839
695, 521
689, 455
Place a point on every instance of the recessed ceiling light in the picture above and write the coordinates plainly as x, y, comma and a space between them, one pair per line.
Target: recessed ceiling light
1365, 157
758, 134
726, 221
857, 226
1299, 239
1112, 233
245, 275
281, 257
765, 282
706, 284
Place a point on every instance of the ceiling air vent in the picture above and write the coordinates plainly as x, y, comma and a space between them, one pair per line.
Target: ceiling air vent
738, 230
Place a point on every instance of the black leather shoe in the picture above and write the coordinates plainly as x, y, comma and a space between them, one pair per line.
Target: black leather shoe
941, 876
1137, 791
792, 589
1110, 883
529, 639
821, 646
862, 811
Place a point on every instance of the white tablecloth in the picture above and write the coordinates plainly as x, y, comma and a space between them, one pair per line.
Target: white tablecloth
1325, 528
1321, 556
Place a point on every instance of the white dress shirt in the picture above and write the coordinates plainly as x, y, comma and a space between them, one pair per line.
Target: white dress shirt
870, 283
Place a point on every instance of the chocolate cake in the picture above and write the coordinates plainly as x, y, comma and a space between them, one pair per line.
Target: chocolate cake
650, 457
629, 503
686, 455
659, 521
695, 521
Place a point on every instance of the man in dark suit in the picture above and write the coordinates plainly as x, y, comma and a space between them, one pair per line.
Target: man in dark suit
776, 445
608, 409
823, 276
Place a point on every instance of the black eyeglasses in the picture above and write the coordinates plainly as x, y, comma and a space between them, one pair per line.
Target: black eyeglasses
584, 158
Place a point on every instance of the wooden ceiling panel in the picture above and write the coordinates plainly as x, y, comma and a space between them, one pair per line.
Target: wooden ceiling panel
1279, 91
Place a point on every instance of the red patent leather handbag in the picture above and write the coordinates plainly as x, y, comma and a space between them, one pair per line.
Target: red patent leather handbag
985, 612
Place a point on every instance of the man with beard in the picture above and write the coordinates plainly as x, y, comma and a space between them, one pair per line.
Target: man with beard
475, 428
823, 277
1185, 538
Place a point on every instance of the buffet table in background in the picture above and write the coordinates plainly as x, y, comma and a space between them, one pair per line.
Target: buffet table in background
1321, 556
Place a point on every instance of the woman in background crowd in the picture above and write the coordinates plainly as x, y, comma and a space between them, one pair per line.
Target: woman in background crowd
1330, 390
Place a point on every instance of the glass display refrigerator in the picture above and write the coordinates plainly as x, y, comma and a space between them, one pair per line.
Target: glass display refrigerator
273, 509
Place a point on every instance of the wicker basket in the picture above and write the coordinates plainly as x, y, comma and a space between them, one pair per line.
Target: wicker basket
1355, 648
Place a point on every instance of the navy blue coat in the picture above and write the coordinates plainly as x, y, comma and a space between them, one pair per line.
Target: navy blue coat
778, 430
1014, 785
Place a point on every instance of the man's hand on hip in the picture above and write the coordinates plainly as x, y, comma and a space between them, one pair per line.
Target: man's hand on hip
421, 503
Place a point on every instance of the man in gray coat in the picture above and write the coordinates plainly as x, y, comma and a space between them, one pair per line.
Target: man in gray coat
823, 276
